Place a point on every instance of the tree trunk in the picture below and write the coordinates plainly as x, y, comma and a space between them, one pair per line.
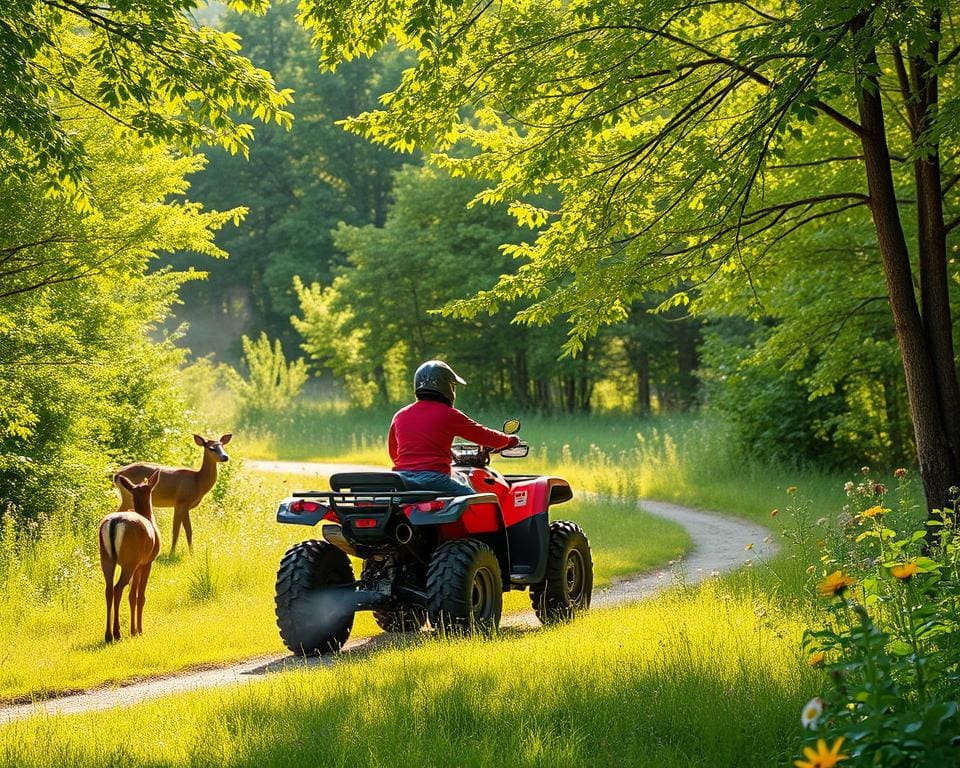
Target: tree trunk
643, 383
935, 454
687, 364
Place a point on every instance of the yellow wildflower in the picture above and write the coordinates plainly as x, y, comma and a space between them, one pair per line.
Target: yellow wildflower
873, 511
821, 757
835, 584
817, 659
905, 571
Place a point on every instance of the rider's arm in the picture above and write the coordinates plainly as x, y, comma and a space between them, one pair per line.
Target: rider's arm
392, 443
469, 429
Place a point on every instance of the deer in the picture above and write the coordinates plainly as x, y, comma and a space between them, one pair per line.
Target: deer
179, 487
132, 541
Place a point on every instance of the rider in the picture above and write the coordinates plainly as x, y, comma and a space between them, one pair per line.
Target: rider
421, 434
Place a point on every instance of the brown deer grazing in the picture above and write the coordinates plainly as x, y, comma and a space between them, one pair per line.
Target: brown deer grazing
132, 541
179, 487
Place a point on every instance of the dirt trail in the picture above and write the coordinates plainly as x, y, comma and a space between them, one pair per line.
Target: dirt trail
719, 543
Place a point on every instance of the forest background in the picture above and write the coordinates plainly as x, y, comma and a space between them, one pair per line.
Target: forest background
340, 254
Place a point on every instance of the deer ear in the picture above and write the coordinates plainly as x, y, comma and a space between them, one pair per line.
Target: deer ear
199, 440
224, 439
154, 479
125, 482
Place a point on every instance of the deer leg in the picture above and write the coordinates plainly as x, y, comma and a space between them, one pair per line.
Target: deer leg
117, 597
188, 529
142, 595
177, 522
133, 596
108, 569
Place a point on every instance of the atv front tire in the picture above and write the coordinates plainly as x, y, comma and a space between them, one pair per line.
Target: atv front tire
307, 571
464, 587
568, 585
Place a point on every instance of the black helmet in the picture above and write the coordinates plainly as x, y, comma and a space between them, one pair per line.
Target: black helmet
437, 377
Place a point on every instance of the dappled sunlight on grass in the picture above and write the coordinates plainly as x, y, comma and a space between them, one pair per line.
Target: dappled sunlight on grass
215, 606
660, 683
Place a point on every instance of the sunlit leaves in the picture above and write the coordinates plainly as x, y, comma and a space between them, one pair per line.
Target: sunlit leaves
142, 62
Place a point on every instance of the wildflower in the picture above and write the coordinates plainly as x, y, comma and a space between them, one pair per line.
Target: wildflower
749, 546
873, 511
905, 571
811, 713
811, 569
774, 512
821, 757
865, 470
835, 584
879, 488
899, 472
715, 574
817, 659
848, 487
822, 521
791, 489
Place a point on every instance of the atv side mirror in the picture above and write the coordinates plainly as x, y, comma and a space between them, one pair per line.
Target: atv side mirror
511, 426
517, 452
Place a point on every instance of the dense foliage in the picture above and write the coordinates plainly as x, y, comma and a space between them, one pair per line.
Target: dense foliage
86, 380
726, 152
141, 62
890, 643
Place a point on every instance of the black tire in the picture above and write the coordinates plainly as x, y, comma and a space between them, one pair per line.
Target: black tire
568, 586
464, 587
306, 571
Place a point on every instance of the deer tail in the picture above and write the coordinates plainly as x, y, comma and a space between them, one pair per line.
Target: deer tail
108, 537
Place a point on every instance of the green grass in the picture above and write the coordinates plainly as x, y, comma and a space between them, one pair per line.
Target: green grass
52, 607
708, 677
703, 678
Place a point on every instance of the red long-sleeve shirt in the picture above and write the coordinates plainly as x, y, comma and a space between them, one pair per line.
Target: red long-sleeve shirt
421, 435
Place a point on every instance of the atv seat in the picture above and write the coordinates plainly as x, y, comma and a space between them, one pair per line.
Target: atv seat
363, 482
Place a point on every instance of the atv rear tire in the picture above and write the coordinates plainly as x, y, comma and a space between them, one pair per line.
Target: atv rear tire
464, 587
568, 586
306, 571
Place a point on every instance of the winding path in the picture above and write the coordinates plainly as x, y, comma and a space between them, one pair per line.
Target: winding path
719, 543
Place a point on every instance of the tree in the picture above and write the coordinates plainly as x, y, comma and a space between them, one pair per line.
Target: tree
140, 62
298, 185
693, 141
84, 378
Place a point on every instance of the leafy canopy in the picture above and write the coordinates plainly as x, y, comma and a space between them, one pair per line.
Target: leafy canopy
141, 62
691, 143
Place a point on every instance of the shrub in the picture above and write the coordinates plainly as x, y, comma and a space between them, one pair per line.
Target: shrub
889, 642
272, 384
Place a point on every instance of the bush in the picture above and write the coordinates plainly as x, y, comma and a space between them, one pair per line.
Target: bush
890, 639
272, 385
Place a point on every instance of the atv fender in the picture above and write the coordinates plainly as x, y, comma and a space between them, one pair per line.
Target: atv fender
286, 515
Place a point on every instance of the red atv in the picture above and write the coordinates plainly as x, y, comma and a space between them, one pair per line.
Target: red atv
429, 556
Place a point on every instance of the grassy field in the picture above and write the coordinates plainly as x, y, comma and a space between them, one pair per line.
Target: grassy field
52, 609
706, 678
711, 676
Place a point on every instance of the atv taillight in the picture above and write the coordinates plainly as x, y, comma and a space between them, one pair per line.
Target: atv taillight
365, 522
305, 506
424, 506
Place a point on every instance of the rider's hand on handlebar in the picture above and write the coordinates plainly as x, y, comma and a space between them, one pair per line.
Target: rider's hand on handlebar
514, 442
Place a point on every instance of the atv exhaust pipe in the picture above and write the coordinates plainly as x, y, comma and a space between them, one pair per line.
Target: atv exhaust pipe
403, 533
